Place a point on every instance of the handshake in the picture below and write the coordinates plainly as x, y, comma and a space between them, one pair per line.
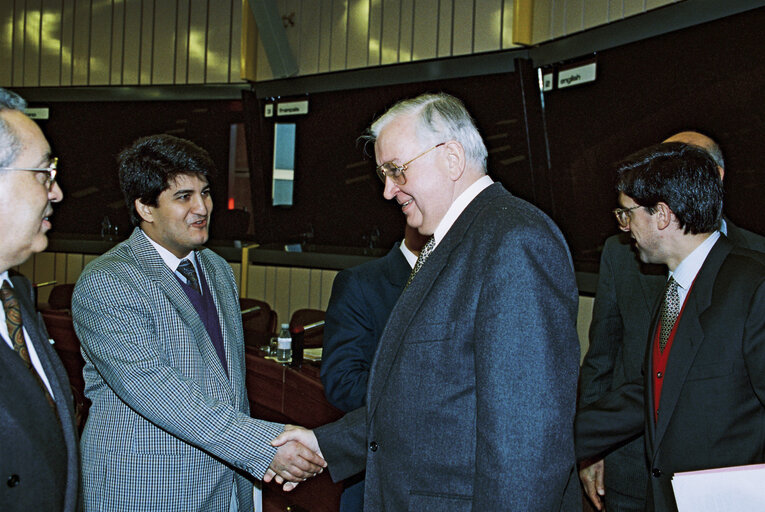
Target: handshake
297, 458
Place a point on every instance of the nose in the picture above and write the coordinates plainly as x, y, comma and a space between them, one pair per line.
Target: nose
626, 226
389, 192
55, 194
201, 205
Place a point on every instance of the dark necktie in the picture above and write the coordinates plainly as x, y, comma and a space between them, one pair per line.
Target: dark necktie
16, 333
424, 253
186, 269
670, 308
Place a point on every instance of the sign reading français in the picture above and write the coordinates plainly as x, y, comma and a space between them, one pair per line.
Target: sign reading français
292, 108
578, 75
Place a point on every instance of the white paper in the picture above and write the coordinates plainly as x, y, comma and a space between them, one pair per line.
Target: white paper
732, 489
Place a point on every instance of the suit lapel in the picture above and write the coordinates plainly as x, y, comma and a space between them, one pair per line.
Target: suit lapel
688, 337
156, 270
411, 299
397, 268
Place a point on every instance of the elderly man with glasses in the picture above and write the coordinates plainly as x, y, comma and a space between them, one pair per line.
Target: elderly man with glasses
39, 460
471, 394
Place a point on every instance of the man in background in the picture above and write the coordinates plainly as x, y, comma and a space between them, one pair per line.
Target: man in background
471, 395
39, 458
361, 301
701, 401
161, 331
627, 293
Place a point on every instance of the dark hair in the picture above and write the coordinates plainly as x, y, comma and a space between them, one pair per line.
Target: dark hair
151, 163
683, 176
9, 141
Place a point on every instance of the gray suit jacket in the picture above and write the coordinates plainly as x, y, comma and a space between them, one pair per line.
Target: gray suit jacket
39, 456
471, 396
167, 429
627, 296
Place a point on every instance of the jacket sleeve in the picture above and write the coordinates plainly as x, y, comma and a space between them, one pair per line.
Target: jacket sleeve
152, 364
343, 444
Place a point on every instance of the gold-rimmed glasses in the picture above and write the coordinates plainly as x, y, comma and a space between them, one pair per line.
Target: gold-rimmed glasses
51, 171
623, 215
396, 172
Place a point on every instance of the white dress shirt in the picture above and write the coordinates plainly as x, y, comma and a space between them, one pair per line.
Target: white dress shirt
686, 271
458, 206
172, 261
411, 257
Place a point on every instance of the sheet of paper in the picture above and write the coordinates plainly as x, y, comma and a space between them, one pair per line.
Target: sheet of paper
732, 489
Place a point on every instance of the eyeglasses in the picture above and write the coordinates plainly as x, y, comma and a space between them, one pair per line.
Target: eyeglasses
623, 215
396, 172
51, 171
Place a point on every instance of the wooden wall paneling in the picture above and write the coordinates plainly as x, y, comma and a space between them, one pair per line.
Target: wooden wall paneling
291, 10
262, 66
358, 34
6, 42
574, 17
45, 271
391, 20
542, 21
374, 43
60, 267
445, 28
314, 288
198, 41
164, 43
299, 288
87, 258
653, 4
462, 37
406, 27
557, 19
17, 46
81, 42
425, 31
256, 282
507, 25
32, 32
67, 42
327, 278
596, 13
218, 41
487, 26
235, 47
100, 42
307, 21
50, 43
338, 46
117, 43
270, 286
181, 61
632, 7
131, 51
74, 267
28, 269
236, 268
146, 52
282, 293
325, 36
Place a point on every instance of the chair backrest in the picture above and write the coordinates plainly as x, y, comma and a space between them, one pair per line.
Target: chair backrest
314, 336
259, 320
61, 296
61, 329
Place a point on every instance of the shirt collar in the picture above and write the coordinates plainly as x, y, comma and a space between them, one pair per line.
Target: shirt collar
170, 259
411, 257
686, 271
459, 205
5, 277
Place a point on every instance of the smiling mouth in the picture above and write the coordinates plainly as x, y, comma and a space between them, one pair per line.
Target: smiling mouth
405, 204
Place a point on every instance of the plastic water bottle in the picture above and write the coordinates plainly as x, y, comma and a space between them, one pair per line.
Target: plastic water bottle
284, 345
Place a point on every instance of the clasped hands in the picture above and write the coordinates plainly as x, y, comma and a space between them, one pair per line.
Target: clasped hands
297, 458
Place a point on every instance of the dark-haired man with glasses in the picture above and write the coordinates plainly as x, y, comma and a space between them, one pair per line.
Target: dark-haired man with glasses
39, 460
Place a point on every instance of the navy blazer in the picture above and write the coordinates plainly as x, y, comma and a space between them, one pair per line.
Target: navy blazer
626, 298
361, 301
39, 455
712, 410
471, 396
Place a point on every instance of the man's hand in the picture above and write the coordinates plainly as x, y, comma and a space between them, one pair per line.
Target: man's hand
297, 458
591, 475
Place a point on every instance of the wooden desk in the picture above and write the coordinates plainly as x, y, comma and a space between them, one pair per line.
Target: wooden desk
287, 395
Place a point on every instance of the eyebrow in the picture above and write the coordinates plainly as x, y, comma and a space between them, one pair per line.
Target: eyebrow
185, 191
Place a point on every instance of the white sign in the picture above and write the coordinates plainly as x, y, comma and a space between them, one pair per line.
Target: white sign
292, 108
547, 82
269, 111
37, 113
577, 75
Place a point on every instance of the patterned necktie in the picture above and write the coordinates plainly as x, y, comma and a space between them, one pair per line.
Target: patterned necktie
16, 333
186, 269
670, 308
424, 253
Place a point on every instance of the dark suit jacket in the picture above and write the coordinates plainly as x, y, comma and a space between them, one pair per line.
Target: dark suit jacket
361, 301
471, 395
626, 298
711, 411
37, 451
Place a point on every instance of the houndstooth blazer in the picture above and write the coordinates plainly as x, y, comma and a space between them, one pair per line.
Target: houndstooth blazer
167, 427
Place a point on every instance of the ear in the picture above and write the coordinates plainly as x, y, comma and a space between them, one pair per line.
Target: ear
664, 215
455, 159
144, 211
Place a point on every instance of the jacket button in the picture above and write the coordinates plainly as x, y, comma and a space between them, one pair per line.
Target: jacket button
656, 472
13, 481
373, 446
658, 375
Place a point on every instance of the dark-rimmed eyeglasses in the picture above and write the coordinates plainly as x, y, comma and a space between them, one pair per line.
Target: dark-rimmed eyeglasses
396, 172
623, 215
51, 171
